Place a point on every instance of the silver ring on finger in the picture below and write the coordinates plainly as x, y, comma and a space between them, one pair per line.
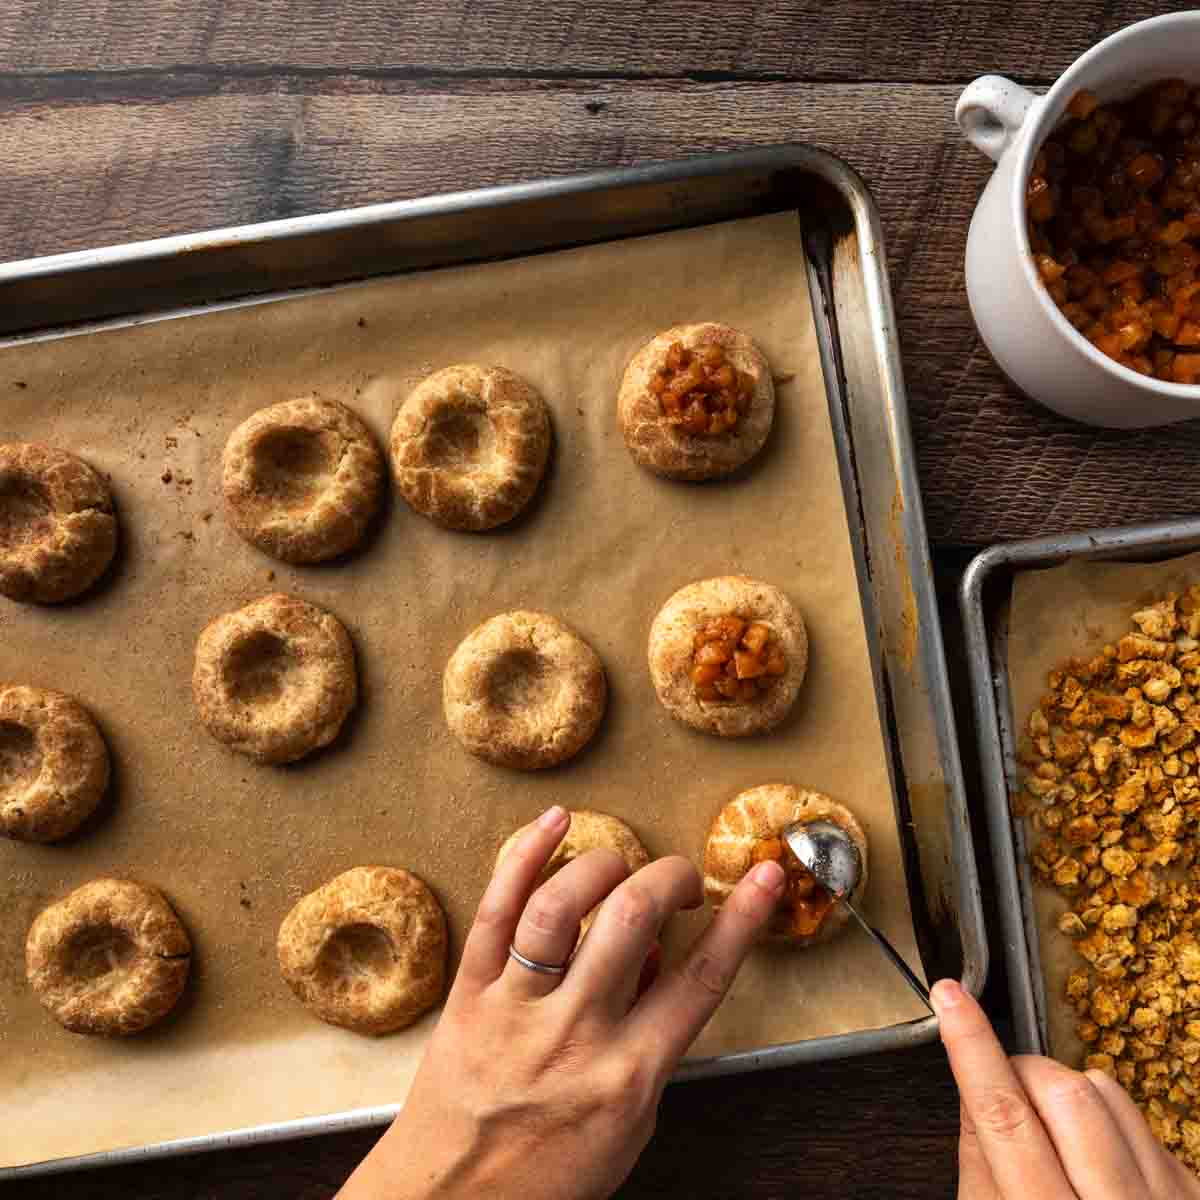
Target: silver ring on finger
540, 967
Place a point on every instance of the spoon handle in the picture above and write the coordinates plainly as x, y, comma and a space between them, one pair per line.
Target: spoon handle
888, 949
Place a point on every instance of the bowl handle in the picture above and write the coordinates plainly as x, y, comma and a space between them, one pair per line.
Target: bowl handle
990, 112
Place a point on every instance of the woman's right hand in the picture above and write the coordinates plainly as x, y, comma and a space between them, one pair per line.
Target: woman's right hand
545, 1086
1033, 1129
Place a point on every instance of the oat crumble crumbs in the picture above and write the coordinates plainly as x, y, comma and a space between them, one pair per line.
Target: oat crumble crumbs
1112, 792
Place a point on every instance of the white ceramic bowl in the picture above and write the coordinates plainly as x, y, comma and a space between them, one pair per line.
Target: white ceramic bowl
1031, 341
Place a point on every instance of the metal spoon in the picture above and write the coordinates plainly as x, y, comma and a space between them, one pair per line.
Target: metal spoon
830, 855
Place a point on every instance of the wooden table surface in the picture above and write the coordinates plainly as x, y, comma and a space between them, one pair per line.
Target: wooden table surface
122, 120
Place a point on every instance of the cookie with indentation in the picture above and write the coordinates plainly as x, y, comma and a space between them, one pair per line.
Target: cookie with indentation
683, 677
302, 479
658, 427
112, 958
367, 951
276, 679
58, 533
470, 446
759, 816
523, 690
54, 765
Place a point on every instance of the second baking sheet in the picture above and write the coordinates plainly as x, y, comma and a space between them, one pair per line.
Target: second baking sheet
1059, 613
235, 845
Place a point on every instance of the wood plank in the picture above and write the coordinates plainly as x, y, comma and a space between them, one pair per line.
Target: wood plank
993, 465
757, 1137
915, 40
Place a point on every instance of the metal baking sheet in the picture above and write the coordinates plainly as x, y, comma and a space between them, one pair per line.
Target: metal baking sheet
61, 295
984, 597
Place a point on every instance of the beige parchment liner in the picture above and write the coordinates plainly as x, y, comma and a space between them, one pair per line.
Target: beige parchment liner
1060, 613
234, 844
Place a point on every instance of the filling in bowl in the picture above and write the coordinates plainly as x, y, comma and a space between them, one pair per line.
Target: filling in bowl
1113, 212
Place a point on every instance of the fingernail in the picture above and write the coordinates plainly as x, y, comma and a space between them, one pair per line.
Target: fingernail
769, 875
946, 994
552, 818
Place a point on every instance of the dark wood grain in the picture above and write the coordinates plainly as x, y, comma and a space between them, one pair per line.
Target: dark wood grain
131, 161
924, 41
779, 1134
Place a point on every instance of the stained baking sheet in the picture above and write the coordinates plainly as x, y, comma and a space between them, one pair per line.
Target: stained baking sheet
234, 844
1058, 613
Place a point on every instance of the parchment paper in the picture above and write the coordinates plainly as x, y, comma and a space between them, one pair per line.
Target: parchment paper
234, 844
1060, 613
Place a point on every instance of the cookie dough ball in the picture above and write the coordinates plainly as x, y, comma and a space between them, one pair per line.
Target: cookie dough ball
276, 679
111, 958
522, 690
54, 764
588, 831
367, 951
302, 479
469, 446
57, 529
696, 402
728, 655
748, 831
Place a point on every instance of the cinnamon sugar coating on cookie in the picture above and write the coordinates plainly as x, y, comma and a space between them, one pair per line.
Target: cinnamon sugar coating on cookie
110, 959
58, 533
470, 446
54, 765
367, 951
276, 679
302, 479
523, 690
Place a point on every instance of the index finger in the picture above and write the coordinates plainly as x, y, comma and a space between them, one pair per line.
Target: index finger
665, 1022
1010, 1135
486, 951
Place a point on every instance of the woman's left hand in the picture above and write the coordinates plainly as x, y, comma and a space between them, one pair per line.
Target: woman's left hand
1033, 1129
546, 1086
